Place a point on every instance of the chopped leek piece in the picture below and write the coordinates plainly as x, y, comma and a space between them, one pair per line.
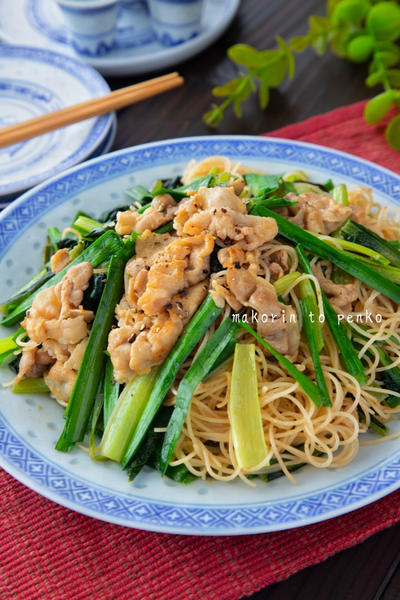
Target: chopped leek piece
295, 176
271, 203
355, 232
176, 194
54, 235
110, 390
167, 228
313, 335
200, 367
339, 276
353, 247
244, 409
194, 331
8, 345
126, 415
149, 452
284, 283
35, 385
347, 351
37, 280
378, 426
94, 422
340, 195
305, 187
198, 182
86, 224
392, 273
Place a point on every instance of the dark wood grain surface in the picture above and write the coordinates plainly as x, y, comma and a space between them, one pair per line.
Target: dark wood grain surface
369, 571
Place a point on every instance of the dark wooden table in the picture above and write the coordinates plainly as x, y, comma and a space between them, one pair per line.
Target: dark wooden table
368, 571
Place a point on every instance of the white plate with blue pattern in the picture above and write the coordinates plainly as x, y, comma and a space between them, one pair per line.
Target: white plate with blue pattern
40, 23
33, 82
104, 147
30, 425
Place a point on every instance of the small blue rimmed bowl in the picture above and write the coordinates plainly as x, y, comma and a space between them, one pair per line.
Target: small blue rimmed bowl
91, 24
175, 21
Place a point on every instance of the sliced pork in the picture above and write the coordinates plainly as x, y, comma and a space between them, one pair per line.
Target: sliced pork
59, 260
162, 210
341, 296
141, 342
164, 285
223, 214
242, 287
318, 213
59, 325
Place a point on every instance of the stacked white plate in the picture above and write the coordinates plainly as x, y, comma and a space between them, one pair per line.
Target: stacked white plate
36, 81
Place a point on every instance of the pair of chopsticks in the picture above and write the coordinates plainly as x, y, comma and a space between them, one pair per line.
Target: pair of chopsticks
86, 110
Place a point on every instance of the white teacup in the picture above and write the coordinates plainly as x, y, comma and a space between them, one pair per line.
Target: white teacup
91, 24
175, 21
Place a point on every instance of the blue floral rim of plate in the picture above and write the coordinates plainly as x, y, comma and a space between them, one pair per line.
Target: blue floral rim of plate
37, 471
93, 81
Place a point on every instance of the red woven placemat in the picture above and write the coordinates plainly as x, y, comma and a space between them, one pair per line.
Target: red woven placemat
51, 552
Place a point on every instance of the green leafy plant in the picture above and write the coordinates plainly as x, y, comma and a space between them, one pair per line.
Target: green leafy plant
359, 30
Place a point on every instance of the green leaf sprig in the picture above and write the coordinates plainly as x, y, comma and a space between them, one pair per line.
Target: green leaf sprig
359, 30
268, 67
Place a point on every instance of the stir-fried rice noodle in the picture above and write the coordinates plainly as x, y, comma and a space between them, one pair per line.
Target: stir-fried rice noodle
220, 163
295, 430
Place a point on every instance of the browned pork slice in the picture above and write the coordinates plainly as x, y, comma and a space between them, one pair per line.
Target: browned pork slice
236, 184
220, 197
164, 285
232, 256
148, 245
144, 341
278, 264
60, 381
162, 210
59, 260
59, 324
222, 213
61, 377
183, 262
276, 323
34, 362
341, 296
318, 213
56, 312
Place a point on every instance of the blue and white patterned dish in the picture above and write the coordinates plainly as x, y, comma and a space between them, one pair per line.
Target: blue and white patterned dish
29, 426
102, 148
40, 23
33, 82
91, 25
175, 21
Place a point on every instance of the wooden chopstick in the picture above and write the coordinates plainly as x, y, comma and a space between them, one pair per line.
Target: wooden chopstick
86, 110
